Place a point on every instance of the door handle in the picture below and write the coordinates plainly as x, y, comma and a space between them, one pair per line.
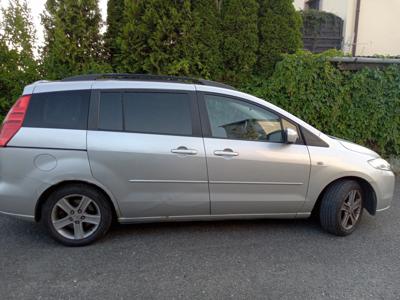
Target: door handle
225, 152
184, 150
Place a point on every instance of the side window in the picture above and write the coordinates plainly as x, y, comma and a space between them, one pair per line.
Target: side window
146, 112
66, 109
233, 119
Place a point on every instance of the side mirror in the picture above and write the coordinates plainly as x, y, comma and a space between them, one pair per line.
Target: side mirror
291, 136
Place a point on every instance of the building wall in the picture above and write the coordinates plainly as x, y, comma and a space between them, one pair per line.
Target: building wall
378, 30
299, 4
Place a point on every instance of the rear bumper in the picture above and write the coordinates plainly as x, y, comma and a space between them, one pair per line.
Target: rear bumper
18, 196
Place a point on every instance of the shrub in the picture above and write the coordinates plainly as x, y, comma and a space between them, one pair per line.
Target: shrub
115, 23
73, 43
362, 106
18, 66
239, 39
279, 26
159, 38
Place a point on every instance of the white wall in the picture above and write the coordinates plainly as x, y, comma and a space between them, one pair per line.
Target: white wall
337, 7
379, 30
299, 4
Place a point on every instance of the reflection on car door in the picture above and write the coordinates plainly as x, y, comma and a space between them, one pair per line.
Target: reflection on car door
251, 170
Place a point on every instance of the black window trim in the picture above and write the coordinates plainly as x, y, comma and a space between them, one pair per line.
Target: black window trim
205, 122
311, 139
95, 105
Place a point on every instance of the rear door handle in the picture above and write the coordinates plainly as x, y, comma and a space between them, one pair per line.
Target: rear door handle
184, 150
225, 152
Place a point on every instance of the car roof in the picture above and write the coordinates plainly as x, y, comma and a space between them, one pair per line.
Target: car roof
121, 80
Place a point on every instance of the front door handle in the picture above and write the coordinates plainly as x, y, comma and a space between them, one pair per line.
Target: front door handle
184, 150
225, 152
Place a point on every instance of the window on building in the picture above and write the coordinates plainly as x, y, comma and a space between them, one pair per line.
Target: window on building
313, 4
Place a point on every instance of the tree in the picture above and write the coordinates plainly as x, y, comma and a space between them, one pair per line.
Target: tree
18, 66
207, 37
115, 23
240, 39
73, 43
159, 38
279, 27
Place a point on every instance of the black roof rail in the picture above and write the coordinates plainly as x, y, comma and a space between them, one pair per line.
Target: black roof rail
147, 77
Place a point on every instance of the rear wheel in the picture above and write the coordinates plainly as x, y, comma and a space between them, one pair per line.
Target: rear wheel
342, 207
77, 215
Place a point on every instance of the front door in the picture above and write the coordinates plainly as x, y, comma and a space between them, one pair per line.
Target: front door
148, 151
250, 167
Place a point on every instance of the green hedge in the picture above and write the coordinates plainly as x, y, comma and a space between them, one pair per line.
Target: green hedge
362, 106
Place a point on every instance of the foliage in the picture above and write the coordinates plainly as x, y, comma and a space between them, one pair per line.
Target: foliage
207, 37
245, 43
279, 26
239, 39
159, 38
314, 20
73, 42
363, 106
17, 64
115, 23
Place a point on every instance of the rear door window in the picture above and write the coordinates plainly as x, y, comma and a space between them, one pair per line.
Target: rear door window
146, 112
65, 109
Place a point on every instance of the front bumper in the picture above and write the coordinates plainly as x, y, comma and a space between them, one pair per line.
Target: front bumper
384, 185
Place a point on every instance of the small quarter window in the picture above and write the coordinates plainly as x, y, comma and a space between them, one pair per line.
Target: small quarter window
66, 110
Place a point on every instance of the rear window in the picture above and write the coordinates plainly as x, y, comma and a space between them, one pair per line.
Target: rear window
66, 110
146, 112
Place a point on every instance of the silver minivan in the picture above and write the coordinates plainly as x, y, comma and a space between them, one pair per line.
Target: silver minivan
82, 152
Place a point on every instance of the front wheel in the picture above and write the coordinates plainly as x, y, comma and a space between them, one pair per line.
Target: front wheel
77, 215
342, 207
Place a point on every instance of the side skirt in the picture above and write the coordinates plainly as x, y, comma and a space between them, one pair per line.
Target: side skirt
213, 218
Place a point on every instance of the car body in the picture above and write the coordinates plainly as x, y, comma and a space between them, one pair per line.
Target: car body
164, 149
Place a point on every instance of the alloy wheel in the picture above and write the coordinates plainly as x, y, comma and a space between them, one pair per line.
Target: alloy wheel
76, 216
351, 209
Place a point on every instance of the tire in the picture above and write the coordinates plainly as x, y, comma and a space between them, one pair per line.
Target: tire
337, 206
77, 215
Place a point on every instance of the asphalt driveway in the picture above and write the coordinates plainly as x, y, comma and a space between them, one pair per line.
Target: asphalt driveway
217, 260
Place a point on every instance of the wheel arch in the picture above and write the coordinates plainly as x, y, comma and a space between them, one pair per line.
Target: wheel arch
44, 196
369, 194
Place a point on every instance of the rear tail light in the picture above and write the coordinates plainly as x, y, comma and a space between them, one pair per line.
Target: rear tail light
14, 119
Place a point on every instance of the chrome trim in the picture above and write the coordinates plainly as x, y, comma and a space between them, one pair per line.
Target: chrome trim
383, 209
303, 215
166, 181
214, 182
256, 182
19, 216
225, 153
184, 151
206, 217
